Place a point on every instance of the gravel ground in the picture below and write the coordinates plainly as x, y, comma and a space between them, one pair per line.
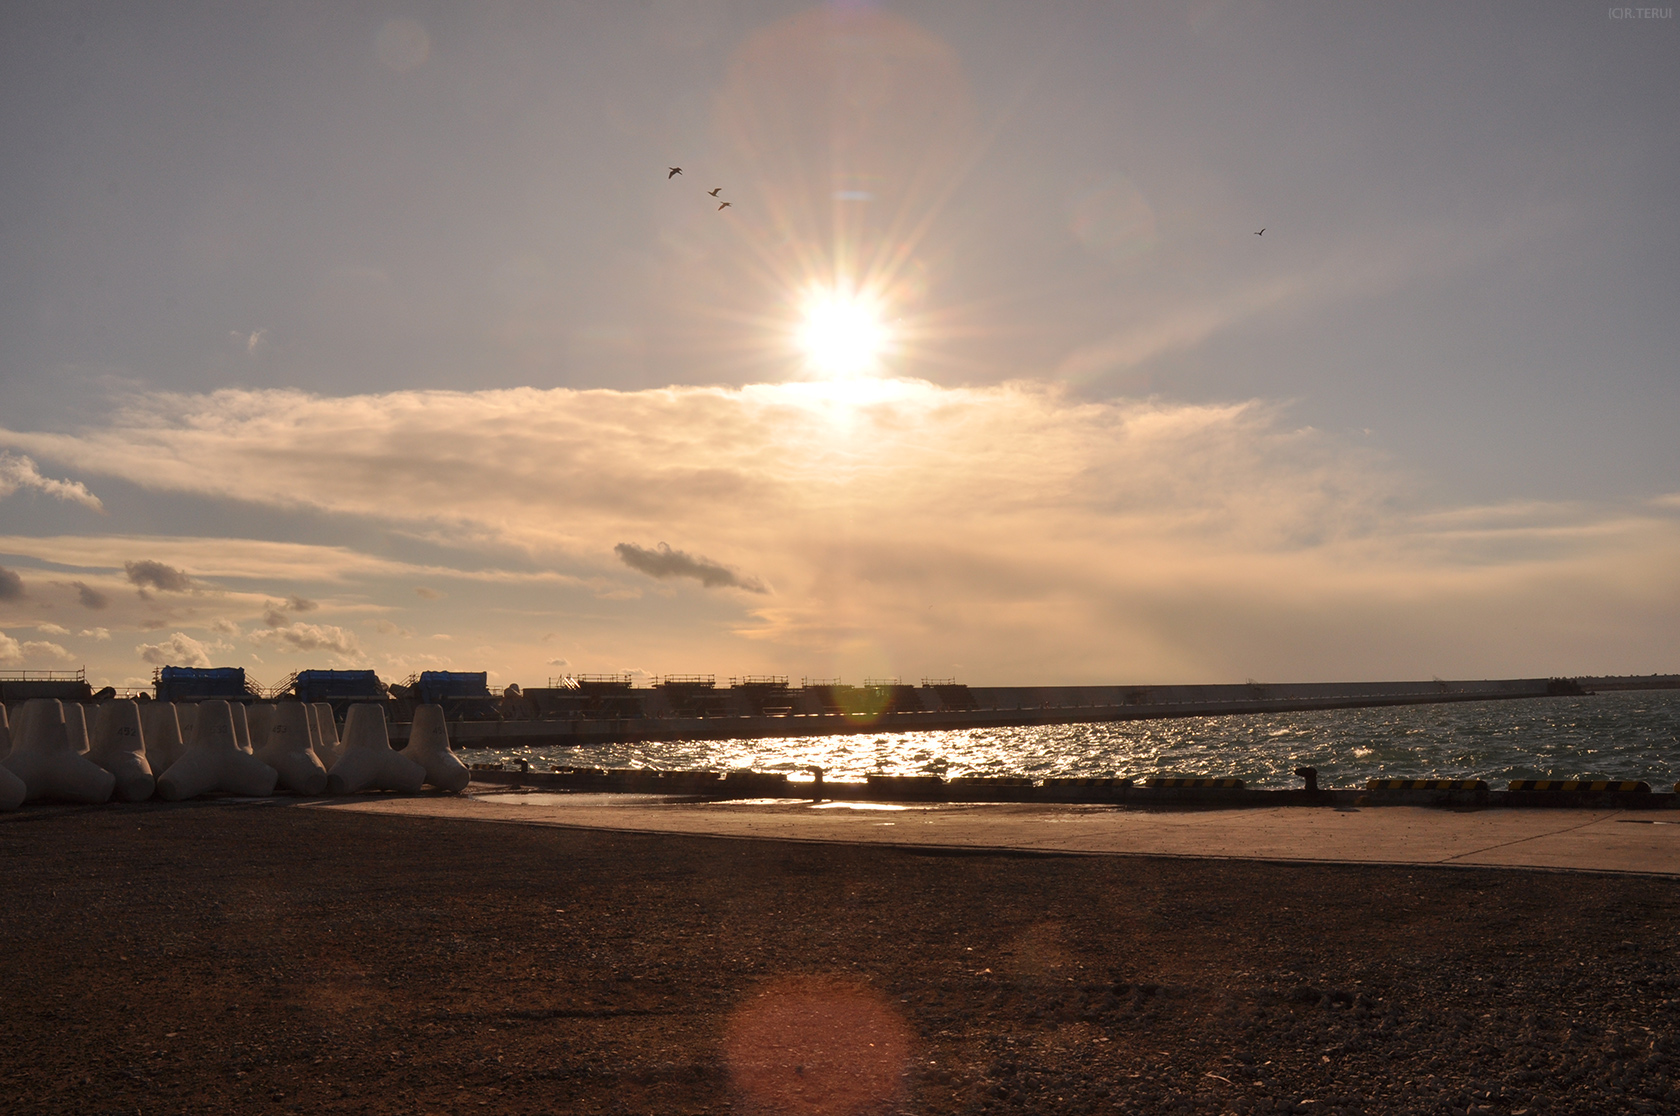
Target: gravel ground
222, 957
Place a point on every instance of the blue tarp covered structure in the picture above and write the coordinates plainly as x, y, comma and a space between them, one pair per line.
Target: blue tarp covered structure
338, 686
176, 683
437, 686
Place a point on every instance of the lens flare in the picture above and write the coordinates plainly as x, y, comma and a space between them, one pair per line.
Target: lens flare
843, 334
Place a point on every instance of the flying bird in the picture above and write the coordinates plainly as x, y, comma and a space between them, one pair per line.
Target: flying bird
1262, 232
715, 192
723, 207
674, 172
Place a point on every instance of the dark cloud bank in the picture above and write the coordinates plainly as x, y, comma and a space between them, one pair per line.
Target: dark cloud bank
665, 562
156, 575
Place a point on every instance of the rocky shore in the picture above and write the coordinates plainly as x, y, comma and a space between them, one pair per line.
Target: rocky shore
216, 957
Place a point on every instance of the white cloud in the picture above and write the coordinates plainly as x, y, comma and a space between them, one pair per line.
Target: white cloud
19, 472
310, 637
180, 649
43, 652
221, 625
388, 627
52, 629
1016, 529
102, 635
15, 653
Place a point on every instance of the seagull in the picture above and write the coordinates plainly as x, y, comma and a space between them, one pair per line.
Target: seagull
724, 206
1262, 232
674, 172
715, 192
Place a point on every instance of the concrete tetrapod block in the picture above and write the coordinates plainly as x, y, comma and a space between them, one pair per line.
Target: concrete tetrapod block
186, 712
368, 762
285, 747
160, 726
12, 790
76, 726
428, 746
214, 761
47, 762
241, 726
258, 718
119, 746
314, 734
326, 728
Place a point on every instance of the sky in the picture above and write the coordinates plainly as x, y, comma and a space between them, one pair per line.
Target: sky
381, 335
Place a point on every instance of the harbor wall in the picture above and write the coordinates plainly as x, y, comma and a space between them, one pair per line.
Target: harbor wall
650, 715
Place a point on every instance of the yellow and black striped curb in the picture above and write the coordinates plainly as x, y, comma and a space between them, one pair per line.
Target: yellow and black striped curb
1426, 784
1582, 786
1191, 781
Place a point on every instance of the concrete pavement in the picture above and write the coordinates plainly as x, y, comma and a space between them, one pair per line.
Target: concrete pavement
1642, 842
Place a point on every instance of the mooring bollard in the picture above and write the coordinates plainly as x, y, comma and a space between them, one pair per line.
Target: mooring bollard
1310, 774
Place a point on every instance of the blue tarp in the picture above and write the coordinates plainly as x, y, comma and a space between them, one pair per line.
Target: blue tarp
436, 685
178, 683
328, 685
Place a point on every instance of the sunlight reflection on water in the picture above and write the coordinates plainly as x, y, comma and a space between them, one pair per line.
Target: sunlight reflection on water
1616, 736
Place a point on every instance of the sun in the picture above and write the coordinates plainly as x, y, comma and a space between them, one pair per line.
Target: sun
842, 333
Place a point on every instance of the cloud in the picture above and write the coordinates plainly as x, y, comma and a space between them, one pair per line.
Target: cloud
1018, 529
310, 637
180, 649
221, 625
11, 585
426, 594
258, 559
156, 575
90, 597
19, 472
562, 663
52, 629
274, 615
102, 635
664, 562
388, 627
13, 653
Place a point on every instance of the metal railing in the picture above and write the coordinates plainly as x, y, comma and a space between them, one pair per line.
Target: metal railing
44, 675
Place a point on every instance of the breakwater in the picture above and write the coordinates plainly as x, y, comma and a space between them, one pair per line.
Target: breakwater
1176, 792
614, 713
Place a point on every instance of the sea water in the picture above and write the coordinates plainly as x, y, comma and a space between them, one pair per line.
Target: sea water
1625, 735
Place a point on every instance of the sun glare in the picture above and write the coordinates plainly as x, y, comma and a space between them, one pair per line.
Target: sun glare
842, 334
